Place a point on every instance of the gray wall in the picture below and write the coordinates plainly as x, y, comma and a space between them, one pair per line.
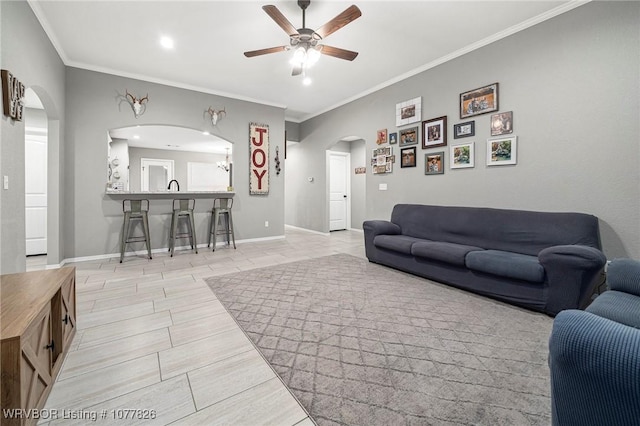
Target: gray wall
94, 105
293, 131
27, 53
572, 83
359, 183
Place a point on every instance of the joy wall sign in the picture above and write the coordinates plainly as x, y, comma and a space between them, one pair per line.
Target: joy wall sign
259, 158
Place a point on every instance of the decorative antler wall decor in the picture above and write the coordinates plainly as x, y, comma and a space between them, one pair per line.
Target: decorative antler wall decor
138, 104
216, 115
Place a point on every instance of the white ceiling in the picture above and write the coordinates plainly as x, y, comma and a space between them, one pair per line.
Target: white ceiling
395, 39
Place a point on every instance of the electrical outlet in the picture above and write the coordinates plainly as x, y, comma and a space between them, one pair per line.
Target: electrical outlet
266, 223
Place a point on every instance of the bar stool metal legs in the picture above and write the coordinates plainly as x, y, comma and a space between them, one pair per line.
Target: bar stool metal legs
183, 208
135, 210
221, 211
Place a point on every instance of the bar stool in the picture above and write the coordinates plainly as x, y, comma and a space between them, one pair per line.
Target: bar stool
221, 210
135, 210
183, 208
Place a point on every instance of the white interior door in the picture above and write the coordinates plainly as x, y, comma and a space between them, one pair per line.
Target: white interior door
36, 194
338, 190
155, 174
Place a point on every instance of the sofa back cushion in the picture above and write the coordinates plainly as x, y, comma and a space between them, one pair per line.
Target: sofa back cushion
518, 231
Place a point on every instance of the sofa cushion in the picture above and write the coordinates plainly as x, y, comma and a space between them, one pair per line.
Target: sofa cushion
400, 243
444, 252
617, 306
506, 264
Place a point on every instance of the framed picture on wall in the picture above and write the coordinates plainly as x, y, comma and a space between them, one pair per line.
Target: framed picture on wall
464, 130
502, 123
501, 152
462, 156
479, 101
434, 163
408, 112
382, 137
409, 136
393, 138
408, 157
434, 132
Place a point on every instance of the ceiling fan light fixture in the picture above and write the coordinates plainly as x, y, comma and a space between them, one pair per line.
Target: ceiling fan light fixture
312, 56
305, 41
299, 56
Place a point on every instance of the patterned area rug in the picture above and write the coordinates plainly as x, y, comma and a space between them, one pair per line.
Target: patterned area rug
363, 344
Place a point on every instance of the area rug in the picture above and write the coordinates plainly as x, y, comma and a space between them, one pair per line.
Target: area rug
362, 344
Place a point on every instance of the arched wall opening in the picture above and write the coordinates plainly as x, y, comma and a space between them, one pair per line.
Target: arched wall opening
54, 168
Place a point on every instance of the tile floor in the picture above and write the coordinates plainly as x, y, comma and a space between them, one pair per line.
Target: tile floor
151, 335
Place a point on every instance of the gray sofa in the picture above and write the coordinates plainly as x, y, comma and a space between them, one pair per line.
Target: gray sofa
547, 262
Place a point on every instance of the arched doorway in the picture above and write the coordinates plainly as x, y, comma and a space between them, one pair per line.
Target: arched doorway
36, 181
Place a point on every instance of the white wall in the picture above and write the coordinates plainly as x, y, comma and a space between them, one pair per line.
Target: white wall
572, 84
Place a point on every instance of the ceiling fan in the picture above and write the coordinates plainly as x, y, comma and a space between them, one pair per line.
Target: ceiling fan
305, 41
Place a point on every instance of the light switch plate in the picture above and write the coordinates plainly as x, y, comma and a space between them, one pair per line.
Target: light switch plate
5, 182
382, 187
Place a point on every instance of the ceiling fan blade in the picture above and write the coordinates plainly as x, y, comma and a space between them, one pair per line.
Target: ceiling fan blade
350, 14
297, 70
336, 52
259, 52
280, 19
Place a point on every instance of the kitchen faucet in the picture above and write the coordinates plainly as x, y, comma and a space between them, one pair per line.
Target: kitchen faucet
177, 184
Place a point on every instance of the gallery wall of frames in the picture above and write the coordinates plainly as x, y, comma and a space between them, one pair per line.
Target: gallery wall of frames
430, 135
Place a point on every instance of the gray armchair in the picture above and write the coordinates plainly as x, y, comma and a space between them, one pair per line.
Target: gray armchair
594, 355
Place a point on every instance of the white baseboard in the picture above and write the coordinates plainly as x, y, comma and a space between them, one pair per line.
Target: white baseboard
157, 250
307, 230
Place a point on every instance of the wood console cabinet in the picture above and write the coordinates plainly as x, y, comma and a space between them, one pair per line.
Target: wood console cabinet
37, 325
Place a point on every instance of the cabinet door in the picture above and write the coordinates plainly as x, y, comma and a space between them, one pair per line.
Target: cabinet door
63, 320
35, 362
68, 312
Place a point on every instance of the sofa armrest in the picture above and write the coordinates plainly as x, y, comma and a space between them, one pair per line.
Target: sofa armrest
624, 275
572, 272
372, 228
595, 370
381, 227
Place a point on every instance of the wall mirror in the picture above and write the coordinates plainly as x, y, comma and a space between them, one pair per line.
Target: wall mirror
147, 158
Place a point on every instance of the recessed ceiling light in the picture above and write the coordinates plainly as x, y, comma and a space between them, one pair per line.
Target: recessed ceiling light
136, 136
166, 42
306, 81
206, 133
